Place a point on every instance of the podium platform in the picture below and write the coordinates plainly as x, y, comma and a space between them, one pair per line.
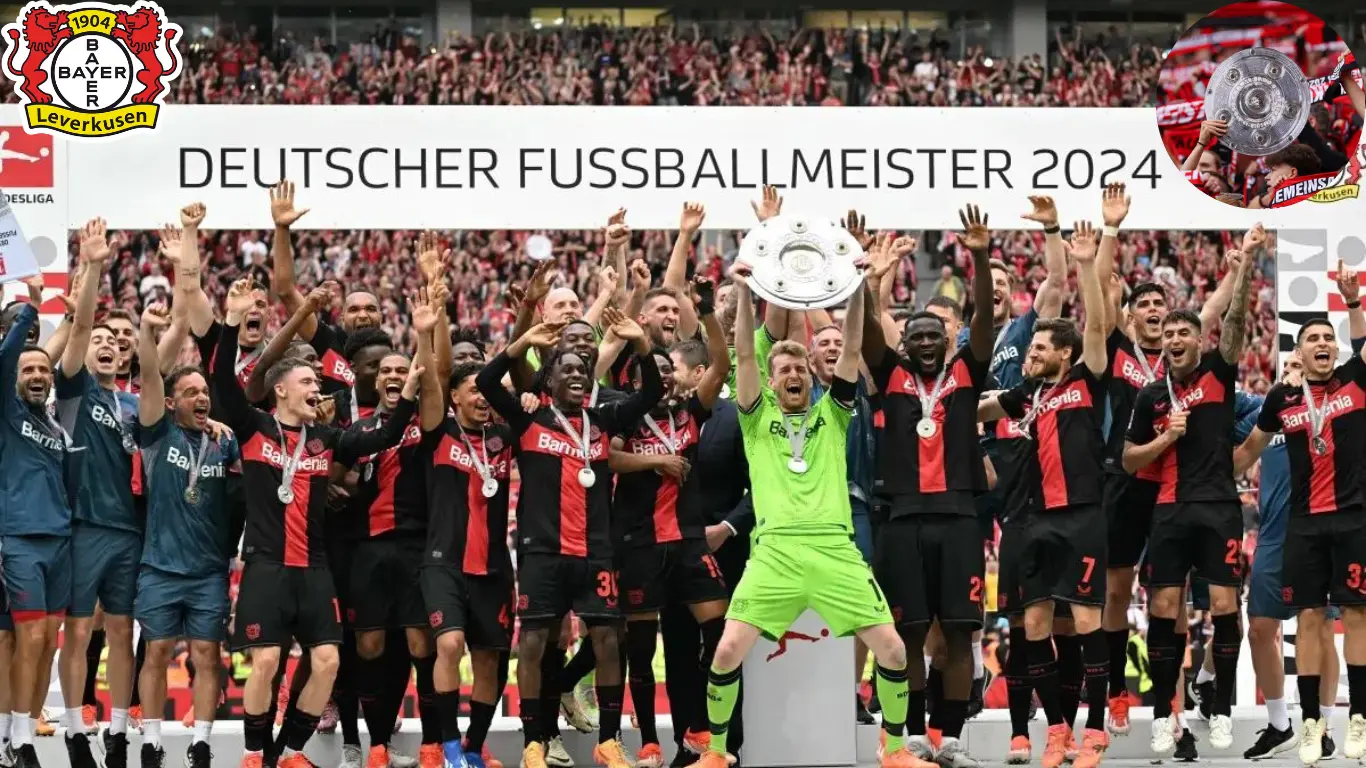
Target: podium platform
987, 737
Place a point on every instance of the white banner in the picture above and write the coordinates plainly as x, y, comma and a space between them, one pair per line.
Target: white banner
569, 167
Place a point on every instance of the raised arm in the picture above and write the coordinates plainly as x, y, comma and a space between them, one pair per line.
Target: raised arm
676, 274
1048, 301
718, 368
1114, 208
490, 379
226, 389
431, 402
748, 386
846, 366
618, 237
279, 343
977, 237
537, 287
94, 254
607, 292
882, 254
1216, 304
189, 283
152, 398
619, 415
1349, 287
1093, 348
282, 281
1235, 322
168, 348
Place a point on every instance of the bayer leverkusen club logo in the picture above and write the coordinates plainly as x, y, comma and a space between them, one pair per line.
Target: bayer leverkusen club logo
91, 70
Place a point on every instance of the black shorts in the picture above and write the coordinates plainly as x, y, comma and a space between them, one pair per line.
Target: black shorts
1206, 536
340, 552
549, 586
481, 606
1063, 557
1325, 560
931, 567
385, 593
1129, 504
676, 572
277, 604
1009, 590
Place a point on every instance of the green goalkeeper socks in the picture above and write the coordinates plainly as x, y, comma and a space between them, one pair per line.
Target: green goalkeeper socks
722, 690
893, 694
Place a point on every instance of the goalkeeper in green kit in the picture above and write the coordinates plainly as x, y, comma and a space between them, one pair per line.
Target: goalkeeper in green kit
803, 552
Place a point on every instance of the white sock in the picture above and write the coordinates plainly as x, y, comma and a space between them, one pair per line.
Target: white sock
1181, 720
1327, 710
202, 730
74, 722
21, 729
1276, 714
977, 668
151, 732
1203, 676
286, 752
118, 721
4, 727
928, 661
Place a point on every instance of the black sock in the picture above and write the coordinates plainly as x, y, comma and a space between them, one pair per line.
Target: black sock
398, 673
1356, 690
1019, 690
1117, 645
370, 687
140, 658
531, 709
1309, 697
934, 697
954, 713
1071, 675
915, 713
256, 730
304, 726
481, 717
290, 720
1096, 655
448, 709
426, 700
552, 671
580, 665
609, 711
275, 683
92, 666
1228, 642
344, 692
1164, 660
1043, 675
641, 638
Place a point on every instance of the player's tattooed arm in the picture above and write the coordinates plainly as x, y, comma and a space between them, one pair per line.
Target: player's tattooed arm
189, 285
94, 255
1235, 322
977, 237
152, 398
1218, 302
747, 381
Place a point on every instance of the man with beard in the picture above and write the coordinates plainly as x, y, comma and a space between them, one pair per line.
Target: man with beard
120, 321
1185, 423
1135, 354
660, 526
37, 522
1058, 408
930, 407
183, 579
1322, 419
106, 534
566, 552
287, 588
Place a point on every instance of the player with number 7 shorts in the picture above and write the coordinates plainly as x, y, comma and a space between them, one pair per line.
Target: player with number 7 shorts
804, 554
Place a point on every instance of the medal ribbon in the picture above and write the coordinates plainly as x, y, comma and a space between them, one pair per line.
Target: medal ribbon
796, 439
480, 467
292, 463
1149, 371
671, 442
1317, 415
1171, 393
1033, 413
124, 436
245, 360
928, 401
581, 442
198, 461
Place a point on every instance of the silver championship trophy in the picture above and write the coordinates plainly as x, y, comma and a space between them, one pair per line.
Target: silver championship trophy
802, 262
1264, 98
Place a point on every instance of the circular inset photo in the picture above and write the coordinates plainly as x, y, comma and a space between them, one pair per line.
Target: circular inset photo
1260, 105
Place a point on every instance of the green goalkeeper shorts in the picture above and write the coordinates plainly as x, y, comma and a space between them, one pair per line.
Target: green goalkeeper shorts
787, 574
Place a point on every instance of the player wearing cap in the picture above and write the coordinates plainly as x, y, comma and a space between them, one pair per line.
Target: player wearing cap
1184, 422
182, 590
1060, 409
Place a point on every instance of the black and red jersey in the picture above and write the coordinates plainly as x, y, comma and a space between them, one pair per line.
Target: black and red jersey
556, 514
652, 508
1063, 466
1332, 481
291, 534
949, 460
390, 498
329, 343
464, 528
244, 361
1127, 377
1199, 466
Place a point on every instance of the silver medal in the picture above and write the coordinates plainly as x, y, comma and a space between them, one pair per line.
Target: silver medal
925, 428
128, 446
490, 487
1320, 446
587, 477
285, 494
797, 464
192, 496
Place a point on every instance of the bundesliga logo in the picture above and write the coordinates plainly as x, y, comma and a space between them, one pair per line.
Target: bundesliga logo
91, 70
